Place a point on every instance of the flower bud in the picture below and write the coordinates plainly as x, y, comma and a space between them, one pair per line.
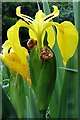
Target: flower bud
31, 43
46, 53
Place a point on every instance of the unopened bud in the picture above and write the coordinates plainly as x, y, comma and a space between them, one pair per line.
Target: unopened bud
31, 43
46, 53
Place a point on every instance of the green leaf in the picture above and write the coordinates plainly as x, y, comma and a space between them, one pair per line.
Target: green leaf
35, 67
46, 83
26, 87
76, 6
43, 76
60, 73
5, 72
31, 110
7, 108
53, 106
17, 94
68, 105
28, 113
58, 85
33, 105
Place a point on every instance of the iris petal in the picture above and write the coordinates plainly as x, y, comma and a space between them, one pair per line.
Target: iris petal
14, 56
39, 16
32, 34
51, 36
15, 64
54, 14
67, 36
13, 37
25, 17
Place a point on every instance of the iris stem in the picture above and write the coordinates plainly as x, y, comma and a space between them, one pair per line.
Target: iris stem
39, 44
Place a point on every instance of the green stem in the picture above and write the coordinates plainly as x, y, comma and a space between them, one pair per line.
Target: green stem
46, 7
76, 6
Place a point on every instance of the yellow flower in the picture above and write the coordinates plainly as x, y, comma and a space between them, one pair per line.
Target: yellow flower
67, 35
13, 55
39, 25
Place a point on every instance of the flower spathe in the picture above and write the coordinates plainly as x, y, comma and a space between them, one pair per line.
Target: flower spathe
13, 55
67, 35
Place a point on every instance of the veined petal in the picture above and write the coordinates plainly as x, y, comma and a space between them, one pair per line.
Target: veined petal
25, 17
67, 37
54, 14
13, 62
51, 36
13, 38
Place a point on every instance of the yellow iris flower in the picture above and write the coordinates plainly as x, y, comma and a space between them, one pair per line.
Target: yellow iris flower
15, 56
67, 35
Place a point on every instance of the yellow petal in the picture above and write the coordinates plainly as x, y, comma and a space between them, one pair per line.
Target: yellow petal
67, 37
25, 51
13, 38
32, 34
25, 17
51, 36
6, 46
54, 14
15, 64
39, 19
39, 16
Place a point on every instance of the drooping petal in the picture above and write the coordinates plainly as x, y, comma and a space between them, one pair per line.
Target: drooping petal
54, 14
25, 17
12, 60
67, 37
25, 51
51, 36
14, 63
13, 38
